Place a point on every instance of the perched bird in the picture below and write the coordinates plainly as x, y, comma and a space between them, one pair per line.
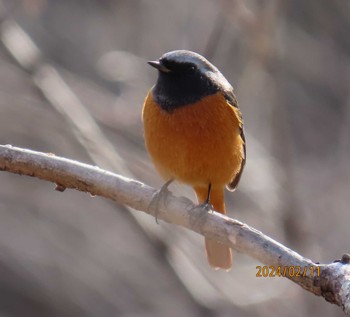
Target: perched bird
194, 133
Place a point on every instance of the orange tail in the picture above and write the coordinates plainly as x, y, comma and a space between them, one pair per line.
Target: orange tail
219, 256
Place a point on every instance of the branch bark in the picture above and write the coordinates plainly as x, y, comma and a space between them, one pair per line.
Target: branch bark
332, 281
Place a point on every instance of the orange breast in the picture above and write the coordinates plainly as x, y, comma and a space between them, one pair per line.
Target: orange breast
196, 144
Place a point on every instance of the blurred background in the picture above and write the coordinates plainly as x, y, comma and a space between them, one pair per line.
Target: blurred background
73, 76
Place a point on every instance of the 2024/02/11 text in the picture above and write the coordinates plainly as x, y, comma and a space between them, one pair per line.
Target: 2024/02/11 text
287, 271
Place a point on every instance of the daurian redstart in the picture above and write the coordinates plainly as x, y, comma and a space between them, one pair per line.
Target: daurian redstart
194, 133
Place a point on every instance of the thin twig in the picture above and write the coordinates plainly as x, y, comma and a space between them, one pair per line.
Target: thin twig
332, 281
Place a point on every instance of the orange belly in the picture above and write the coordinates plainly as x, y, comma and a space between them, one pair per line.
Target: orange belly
196, 144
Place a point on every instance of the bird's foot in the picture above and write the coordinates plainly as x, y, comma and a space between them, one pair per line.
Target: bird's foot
204, 209
159, 197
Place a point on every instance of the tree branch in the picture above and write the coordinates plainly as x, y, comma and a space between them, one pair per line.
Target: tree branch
332, 281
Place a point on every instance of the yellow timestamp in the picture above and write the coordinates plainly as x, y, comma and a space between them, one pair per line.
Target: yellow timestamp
287, 271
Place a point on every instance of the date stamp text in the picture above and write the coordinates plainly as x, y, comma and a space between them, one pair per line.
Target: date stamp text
287, 271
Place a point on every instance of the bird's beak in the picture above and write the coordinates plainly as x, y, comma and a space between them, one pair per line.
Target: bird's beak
158, 65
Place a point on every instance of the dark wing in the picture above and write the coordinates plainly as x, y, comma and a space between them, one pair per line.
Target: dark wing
230, 97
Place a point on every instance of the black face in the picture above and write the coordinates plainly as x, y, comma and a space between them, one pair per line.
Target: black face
181, 83
179, 67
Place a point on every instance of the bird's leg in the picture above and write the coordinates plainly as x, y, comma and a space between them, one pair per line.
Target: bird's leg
158, 197
206, 206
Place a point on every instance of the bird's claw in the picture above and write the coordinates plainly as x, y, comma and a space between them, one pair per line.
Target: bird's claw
159, 196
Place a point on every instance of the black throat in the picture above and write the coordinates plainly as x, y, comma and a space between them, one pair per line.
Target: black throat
173, 90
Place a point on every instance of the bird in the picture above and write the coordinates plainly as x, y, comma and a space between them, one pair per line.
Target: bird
193, 131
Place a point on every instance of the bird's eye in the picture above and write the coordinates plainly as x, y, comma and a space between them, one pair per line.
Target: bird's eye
191, 69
